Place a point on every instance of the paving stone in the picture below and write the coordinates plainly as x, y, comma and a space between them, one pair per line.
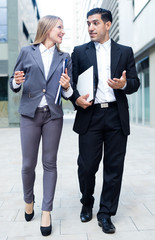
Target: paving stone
135, 218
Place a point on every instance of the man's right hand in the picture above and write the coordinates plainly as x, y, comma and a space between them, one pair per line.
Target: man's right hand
82, 101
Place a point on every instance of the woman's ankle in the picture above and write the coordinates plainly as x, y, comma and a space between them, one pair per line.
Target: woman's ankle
29, 207
46, 218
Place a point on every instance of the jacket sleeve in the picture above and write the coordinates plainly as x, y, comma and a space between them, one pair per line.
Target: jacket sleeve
69, 72
69, 69
18, 67
133, 82
75, 73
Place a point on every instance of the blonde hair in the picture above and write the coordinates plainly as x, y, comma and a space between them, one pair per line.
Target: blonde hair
45, 24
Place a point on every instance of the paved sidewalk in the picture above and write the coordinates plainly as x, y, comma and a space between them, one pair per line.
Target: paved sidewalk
135, 219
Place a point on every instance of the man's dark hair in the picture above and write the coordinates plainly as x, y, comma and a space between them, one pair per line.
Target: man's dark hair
105, 14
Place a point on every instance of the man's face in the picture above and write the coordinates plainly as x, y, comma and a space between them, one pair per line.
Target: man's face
97, 29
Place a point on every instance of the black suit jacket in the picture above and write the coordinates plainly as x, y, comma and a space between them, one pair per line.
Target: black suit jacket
122, 58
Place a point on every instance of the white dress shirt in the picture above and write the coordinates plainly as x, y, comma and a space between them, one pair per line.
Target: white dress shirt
104, 93
47, 56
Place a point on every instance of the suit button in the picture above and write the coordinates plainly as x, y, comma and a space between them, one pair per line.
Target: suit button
44, 90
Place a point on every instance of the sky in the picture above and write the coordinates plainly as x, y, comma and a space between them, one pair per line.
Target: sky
63, 8
60, 8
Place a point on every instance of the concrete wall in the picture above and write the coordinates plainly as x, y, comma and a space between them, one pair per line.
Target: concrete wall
126, 22
13, 99
143, 28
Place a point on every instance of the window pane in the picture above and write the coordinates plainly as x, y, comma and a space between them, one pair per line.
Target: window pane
133, 102
3, 16
3, 88
140, 100
3, 3
146, 97
3, 34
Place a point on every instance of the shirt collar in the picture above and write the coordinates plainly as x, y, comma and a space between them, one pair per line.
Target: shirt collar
44, 49
106, 44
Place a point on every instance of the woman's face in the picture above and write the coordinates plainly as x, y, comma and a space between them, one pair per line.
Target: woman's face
56, 34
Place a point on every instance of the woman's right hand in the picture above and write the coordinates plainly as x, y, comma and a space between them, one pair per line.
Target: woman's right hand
19, 77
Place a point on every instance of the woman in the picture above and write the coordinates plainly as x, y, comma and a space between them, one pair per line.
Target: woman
40, 69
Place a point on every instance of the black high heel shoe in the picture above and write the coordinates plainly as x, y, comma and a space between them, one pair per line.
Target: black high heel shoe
28, 217
45, 231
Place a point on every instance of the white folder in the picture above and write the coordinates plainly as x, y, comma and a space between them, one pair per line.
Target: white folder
85, 83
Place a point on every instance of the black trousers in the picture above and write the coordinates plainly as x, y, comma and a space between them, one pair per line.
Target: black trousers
104, 128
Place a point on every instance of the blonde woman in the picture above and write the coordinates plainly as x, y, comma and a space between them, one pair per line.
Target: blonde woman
39, 71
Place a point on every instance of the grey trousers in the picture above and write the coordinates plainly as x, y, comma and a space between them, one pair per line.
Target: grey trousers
31, 131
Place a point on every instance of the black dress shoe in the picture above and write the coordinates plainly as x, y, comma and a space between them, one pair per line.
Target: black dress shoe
28, 217
86, 214
106, 225
45, 231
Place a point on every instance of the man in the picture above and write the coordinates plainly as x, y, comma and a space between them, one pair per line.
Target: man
106, 118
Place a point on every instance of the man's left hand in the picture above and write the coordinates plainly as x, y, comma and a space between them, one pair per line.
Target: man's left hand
118, 83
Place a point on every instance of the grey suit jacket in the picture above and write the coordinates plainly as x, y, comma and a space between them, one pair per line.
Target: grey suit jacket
35, 85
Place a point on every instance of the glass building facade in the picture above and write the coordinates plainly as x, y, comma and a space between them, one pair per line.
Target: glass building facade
139, 102
3, 63
16, 30
3, 21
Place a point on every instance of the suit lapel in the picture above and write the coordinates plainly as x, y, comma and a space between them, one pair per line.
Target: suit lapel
57, 58
91, 53
37, 57
115, 56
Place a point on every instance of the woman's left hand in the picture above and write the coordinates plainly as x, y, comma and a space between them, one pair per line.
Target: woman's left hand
64, 80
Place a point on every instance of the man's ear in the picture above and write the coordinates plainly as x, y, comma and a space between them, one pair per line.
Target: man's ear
108, 25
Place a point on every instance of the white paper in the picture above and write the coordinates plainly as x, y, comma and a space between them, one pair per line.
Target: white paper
85, 83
